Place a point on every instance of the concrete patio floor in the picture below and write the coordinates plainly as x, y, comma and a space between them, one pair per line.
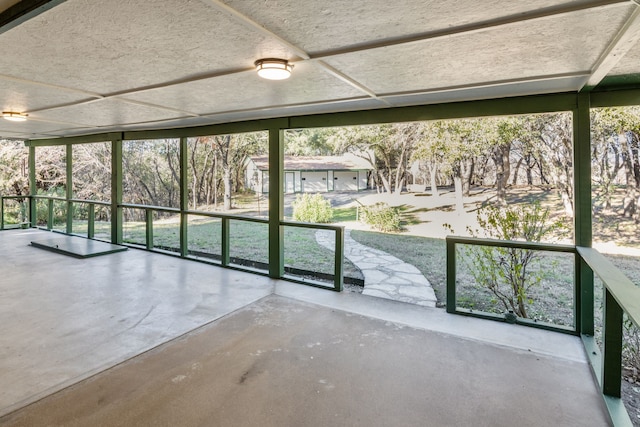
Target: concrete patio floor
138, 338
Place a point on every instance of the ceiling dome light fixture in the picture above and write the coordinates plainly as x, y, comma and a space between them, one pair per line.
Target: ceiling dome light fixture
273, 68
14, 117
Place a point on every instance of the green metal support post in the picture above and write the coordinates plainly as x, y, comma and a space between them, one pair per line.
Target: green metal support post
50, 214
225, 258
184, 197
69, 193
116, 191
276, 203
32, 186
451, 276
612, 346
148, 221
91, 220
582, 202
338, 271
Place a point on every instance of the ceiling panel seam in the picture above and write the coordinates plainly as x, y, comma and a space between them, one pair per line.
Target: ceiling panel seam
248, 22
115, 98
50, 86
287, 106
296, 50
622, 43
544, 13
151, 105
497, 83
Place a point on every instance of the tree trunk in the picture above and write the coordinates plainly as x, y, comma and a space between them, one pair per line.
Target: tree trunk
500, 156
457, 183
516, 172
432, 177
227, 188
466, 170
385, 183
215, 182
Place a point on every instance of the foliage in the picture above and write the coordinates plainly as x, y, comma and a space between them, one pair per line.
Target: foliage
454, 148
13, 168
59, 207
616, 157
631, 348
310, 142
507, 272
312, 208
387, 148
380, 216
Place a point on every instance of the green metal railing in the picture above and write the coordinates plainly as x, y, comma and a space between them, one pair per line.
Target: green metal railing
91, 214
338, 271
181, 249
225, 226
148, 220
69, 206
452, 242
620, 296
23, 222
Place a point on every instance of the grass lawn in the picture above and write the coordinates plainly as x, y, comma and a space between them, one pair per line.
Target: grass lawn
248, 241
425, 253
553, 297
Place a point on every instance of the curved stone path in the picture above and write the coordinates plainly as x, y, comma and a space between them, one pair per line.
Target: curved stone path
385, 276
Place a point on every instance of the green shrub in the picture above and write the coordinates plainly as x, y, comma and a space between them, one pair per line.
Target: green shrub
381, 216
312, 208
506, 272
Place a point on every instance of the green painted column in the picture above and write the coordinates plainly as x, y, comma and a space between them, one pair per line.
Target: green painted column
582, 202
184, 197
116, 191
451, 276
69, 187
32, 187
612, 346
276, 202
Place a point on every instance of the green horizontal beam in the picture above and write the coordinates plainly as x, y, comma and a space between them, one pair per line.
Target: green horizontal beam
39, 197
454, 110
83, 139
615, 98
623, 290
312, 225
93, 202
218, 129
226, 216
538, 246
153, 208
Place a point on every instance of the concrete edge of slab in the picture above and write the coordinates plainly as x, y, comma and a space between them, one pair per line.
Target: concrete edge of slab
547, 343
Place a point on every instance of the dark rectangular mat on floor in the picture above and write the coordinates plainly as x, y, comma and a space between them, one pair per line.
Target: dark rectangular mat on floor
77, 247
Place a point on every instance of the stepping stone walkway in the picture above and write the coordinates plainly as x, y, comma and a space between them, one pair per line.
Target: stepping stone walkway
385, 276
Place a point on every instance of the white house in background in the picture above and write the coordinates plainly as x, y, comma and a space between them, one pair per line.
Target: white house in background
311, 174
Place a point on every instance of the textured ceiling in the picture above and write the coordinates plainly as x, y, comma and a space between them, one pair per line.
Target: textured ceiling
85, 66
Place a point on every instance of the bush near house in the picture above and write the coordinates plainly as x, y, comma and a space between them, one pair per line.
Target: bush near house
380, 216
312, 208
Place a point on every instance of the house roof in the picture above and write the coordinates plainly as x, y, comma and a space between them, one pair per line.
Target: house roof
320, 163
82, 67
